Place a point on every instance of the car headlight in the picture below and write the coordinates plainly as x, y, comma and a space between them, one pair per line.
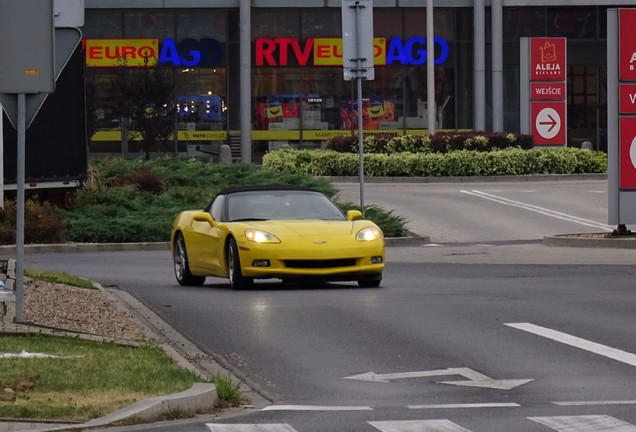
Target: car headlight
259, 236
368, 234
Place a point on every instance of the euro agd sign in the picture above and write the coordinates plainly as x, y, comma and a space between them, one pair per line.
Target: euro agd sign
149, 52
621, 114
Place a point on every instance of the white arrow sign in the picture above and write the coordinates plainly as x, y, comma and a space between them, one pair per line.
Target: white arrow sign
548, 123
475, 379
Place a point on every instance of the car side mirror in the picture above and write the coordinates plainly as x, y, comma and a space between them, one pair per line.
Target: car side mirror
354, 215
203, 217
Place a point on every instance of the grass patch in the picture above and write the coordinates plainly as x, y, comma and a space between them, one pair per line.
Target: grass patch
59, 277
228, 391
88, 379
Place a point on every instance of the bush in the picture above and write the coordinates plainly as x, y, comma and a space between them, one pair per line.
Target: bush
509, 161
443, 142
41, 223
136, 201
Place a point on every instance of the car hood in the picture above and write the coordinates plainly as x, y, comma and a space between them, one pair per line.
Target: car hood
304, 227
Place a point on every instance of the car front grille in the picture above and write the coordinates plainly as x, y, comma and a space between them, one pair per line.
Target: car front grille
318, 264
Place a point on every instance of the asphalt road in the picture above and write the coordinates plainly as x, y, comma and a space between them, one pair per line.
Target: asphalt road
491, 305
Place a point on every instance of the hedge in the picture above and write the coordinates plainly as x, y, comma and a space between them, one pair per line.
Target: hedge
509, 161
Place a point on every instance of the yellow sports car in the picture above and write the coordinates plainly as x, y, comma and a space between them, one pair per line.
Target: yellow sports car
282, 232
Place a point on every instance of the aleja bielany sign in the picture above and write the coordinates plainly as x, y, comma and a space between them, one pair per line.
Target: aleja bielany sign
548, 59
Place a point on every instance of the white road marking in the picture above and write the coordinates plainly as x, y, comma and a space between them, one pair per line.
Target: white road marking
592, 403
315, 408
540, 210
603, 350
475, 379
470, 405
273, 427
590, 423
418, 426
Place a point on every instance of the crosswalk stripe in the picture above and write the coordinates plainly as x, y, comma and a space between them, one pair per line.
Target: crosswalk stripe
273, 427
590, 423
470, 405
315, 408
587, 403
418, 426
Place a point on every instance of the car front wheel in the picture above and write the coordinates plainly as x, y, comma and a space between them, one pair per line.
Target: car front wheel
237, 280
181, 268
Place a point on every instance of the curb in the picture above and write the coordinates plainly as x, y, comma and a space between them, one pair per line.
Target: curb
467, 179
574, 240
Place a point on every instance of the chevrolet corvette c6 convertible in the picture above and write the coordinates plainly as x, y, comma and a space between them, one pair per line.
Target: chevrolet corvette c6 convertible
283, 232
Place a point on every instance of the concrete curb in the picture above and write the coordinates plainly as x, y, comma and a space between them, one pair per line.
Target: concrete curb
573, 240
468, 179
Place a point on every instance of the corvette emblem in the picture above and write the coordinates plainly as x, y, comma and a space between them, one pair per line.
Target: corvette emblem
319, 242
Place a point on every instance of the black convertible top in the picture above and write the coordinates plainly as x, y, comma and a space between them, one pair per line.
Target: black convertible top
234, 189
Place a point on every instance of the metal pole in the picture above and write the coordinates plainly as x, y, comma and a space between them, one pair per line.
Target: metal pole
245, 81
1, 158
497, 66
431, 107
479, 67
19, 223
360, 125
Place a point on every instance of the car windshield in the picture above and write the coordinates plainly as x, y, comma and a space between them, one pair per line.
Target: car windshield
280, 204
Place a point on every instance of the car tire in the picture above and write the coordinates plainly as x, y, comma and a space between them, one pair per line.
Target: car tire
181, 267
237, 280
370, 282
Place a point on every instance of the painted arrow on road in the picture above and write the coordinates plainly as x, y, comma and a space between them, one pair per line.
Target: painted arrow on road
475, 379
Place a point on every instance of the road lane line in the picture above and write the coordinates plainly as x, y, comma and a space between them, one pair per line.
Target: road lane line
469, 405
418, 426
589, 423
273, 427
593, 403
315, 408
564, 338
537, 209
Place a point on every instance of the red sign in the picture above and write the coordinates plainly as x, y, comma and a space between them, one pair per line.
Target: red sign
627, 45
627, 98
547, 91
627, 154
548, 61
548, 122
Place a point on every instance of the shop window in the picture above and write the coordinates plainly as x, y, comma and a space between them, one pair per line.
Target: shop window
270, 23
573, 22
321, 23
102, 24
388, 23
443, 23
203, 23
523, 22
148, 24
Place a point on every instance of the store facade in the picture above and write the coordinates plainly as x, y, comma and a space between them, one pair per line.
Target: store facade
298, 96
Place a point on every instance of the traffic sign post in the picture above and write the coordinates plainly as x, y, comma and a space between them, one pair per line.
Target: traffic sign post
357, 60
621, 115
28, 68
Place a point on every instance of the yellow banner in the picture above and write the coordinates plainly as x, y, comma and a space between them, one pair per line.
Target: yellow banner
328, 51
121, 52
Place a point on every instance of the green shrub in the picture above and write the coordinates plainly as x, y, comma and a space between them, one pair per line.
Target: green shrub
508, 161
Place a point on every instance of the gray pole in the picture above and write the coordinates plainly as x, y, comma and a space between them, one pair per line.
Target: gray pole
497, 66
360, 125
245, 81
1, 159
431, 107
19, 222
479, 67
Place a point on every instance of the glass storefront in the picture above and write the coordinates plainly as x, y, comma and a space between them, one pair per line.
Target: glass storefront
299, 96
